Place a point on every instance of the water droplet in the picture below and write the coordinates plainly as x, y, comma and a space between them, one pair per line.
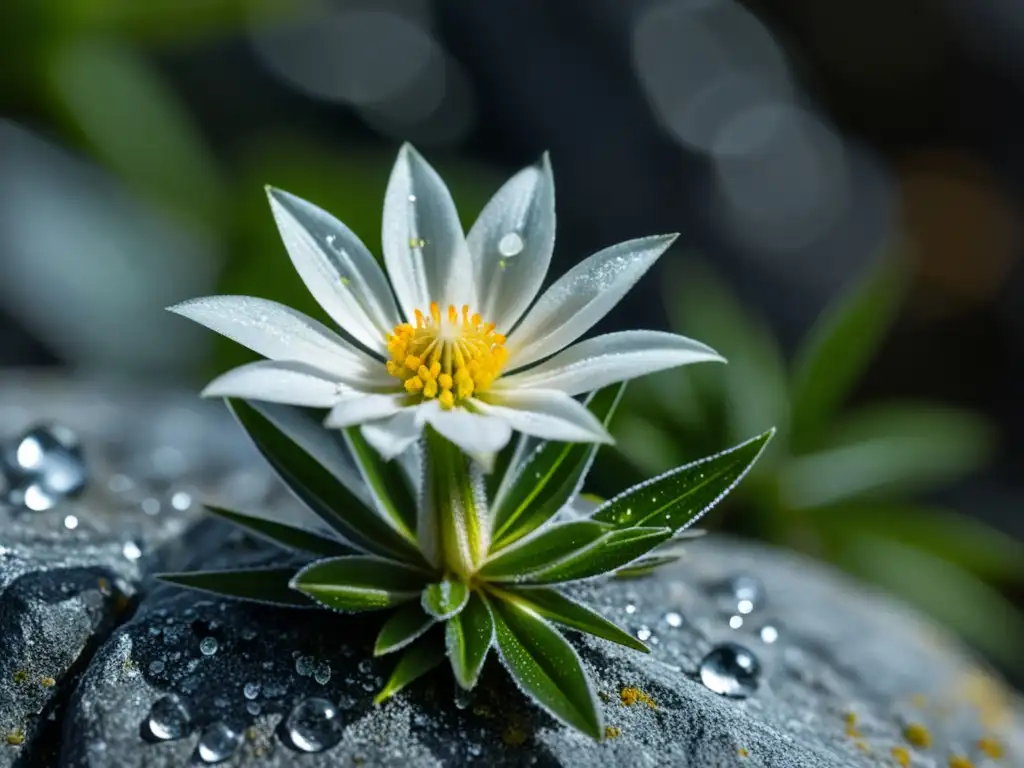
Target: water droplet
70, 521
330, 239
630, 608
252, 707
730, 670
218, 742
673, 619
131, 551
44, 465
322, 673
735, 622
156, 666
644, 634
741, 594
180, 500
365, 666
168, 719
511, 245
314, 725
251, 690
208, 646
463, 699
769, 634
151, 506
304, 665
412, 198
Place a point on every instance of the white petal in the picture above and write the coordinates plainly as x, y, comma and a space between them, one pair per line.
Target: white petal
511, 244
392, 436
424, 246
363, 408
279, 333
549, 414
278, 381
604, 360
581, 297
474, 433
337, 269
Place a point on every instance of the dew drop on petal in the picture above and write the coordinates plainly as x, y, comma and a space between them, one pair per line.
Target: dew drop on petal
314, 725
731, 670
511, 245
218, 742
168, 719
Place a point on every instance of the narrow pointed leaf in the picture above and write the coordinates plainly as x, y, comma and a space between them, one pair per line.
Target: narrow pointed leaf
325, 495
387, 484
545, 666
681, 496
645, 566
468, 637
405, 625
359, 583
612, 551
556, 607
550, 478
543, 549
839, 348
445, 598
262, 585
283, 535
417, 660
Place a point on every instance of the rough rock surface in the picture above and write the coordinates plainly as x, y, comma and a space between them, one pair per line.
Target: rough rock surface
848, 678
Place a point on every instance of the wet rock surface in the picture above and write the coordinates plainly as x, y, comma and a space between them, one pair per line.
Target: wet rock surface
758, 658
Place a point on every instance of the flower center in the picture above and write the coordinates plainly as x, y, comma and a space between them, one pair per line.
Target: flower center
450, 356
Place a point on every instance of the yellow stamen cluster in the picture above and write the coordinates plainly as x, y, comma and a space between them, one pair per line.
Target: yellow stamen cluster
450, 357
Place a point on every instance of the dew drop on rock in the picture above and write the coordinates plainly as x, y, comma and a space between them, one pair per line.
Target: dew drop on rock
769, 634
731, 670
735, 622
314, 725
70, 521
218, 742
131, 551
168, 719
511, 245
252, 707
156, 666
673, 619
251, 690
208, 646
742, 594
322, 673
304, 666
643, 634
43, 466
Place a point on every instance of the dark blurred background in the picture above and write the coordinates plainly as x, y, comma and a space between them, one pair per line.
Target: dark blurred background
846, 176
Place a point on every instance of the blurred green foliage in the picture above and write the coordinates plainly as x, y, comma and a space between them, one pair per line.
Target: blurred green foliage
839, 483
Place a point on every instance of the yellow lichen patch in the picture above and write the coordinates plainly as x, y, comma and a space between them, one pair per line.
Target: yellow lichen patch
991, 747
902, 756
862, 745
631, 696
851, 725
918, 735
16, 737
20, 676
449, 356
959, 761
743, 752
47, 682
612, 732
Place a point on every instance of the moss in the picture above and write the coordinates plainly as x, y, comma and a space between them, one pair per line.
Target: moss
991, 747
631, 696
902, 756
16, 737
918, 735
612, 732
20, 676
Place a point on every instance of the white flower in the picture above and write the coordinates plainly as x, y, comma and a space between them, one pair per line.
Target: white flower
458, 350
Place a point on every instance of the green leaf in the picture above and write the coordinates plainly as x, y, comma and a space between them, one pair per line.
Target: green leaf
405, 625
415, 662
283, 535
262, 585
359, 582
453, 526
948, 592
556, 607
886, 449
549, 478
545, 666
320, 490
840, 347
613, 550
645, 566
679, 497
445, 598
469, 636
386, 482
544, 548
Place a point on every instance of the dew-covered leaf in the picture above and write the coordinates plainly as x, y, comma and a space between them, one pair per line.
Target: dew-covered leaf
403, 626
556, 607
283, 535
679, 497
549, 478
262, 585
469, 636
417, 660
612, 551
325, 495
545, 666
544, 548
445, 598
387, 484
360, 583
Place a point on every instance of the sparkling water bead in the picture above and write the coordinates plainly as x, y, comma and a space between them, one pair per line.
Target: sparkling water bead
43, 466
731, 670
314, 725
168, 719
741, 594
218, 742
